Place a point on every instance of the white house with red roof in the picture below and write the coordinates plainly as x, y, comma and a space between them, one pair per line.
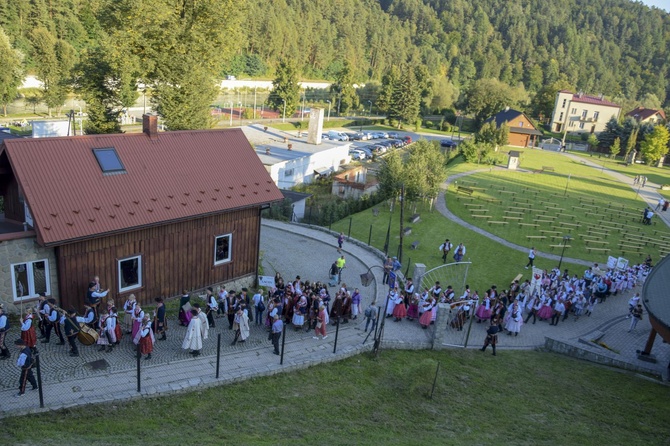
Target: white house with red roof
581, 113
647, 115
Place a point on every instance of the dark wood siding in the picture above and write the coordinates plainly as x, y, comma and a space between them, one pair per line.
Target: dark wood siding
13, 204
174, 257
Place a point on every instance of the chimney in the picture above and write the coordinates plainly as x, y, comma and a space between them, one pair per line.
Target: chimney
507, 108
150, 125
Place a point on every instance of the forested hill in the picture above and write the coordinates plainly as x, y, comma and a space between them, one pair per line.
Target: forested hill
615, 47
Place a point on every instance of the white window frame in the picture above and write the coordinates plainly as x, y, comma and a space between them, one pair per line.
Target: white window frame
139, 273
581, 125
230, 249
596, 114
573, 111
288, 172
560, 118
31, 281
585, 113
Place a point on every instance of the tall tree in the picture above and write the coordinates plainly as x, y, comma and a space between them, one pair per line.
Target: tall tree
285, 89
11, 71
390, 174
342, 91
385, 98
655, 145
485, 97
613, 130
55, 59
424, 171
630, 143
406, 98
180, 44
616, 148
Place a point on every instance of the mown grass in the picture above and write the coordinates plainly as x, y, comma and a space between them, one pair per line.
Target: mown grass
518, 398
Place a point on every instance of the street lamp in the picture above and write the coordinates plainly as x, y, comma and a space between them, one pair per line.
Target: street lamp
302, 112
328, 101
370, 102
239, 105
566, 239
283, 119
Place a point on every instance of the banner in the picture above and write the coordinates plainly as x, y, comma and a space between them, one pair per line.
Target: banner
267, 281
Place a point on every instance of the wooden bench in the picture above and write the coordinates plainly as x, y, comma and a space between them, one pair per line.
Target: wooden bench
480, 216
543, 221
493, 200
514, 212
557, 237
415, 218
506, 217
507, 192
464, 190
538, 237
544, 231
473, 205
482, 209
517, 278
549, 217
559, 246
604, 234
603, 250
572, 225
594, 237
624, 252
473, 183
570, 216
532, 225
548, 168
492, 222
596, 242
415, 244
407, 231
481, 189
630, 247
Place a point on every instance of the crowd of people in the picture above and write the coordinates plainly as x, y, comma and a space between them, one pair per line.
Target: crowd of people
554, 296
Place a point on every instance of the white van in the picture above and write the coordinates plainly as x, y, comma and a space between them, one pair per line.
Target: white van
337, 136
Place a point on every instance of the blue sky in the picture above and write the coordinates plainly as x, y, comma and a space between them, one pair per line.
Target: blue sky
663, 4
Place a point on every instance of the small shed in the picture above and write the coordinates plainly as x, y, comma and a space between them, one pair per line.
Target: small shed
514, 157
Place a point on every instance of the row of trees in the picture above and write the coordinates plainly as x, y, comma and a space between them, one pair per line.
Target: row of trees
621, 138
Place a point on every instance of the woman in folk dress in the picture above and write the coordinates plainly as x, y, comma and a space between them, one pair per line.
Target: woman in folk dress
514, 319
427, 315
483, 312
399, 310
545, 312
413, 310
128, 311
138, 317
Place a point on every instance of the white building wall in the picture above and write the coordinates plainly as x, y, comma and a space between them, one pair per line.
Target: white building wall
287, 174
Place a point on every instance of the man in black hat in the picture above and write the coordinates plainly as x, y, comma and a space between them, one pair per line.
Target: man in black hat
71, 331
93, 297
25, 363
160, 324
52, 319
42, 323
212, 306
492, 335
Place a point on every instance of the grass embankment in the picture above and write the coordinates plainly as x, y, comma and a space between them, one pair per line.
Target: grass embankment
514, 398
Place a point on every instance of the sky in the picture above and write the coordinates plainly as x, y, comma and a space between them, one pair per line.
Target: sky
663, 4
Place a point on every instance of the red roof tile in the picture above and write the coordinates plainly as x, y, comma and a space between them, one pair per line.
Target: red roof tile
587, 99
176, 176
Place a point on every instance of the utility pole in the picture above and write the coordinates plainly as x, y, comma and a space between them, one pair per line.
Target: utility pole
402, 215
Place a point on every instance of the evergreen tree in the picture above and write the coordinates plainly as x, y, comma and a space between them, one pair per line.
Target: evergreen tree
616, 148
55, 59
405, 99
631, 141
385, 98
613, 130
285, 89
342, 91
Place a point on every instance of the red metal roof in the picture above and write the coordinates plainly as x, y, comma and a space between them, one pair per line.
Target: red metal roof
177, 175
587, 99
642, 113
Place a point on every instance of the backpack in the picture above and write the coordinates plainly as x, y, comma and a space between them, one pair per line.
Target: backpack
260, 306
368, 312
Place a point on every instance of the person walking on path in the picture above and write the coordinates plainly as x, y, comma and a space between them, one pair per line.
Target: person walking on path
340, 242
193, 338
460, 252
491, 336
277, 328
531, 257
632, 304
371, 313
445, 248
25, 363
637, 316
660, 204
321, 322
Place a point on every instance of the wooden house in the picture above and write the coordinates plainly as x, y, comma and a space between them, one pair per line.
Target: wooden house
522, 132
150, 213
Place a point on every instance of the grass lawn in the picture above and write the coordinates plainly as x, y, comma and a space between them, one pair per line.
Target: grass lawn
515, 398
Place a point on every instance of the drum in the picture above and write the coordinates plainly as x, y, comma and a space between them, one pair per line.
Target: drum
87, 335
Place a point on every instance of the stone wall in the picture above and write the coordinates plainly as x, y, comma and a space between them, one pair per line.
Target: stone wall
19, 251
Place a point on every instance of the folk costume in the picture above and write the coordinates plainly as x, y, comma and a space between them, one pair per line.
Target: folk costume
128, 312
4, 328
160, 322
28, 331
145, 338
185, 314
193, 338
25, 363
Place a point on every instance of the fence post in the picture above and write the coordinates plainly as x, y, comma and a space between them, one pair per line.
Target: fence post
349, 235
435, 381
218, 354
283, 341
337, 331
39, 378
139, 356
370, 235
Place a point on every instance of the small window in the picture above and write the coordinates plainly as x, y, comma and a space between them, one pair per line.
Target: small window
109, 160
130, 273
288, 172
30, 279
595, 115
520, 123
581, 125
584, 113
573, 111
572, 124
564, 101
222, 248
560, 118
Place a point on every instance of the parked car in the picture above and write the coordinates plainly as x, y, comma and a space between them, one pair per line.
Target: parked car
365, 135
368, 150
357, 154
337, 136
394, 135
408, 139
448, 143
378, 135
